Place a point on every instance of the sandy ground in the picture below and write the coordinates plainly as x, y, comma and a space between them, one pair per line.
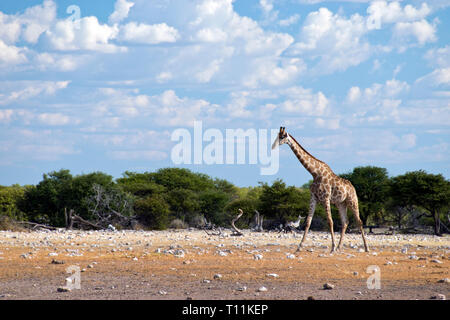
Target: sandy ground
193, 265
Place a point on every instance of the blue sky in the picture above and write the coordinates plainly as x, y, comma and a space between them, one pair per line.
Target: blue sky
355, 82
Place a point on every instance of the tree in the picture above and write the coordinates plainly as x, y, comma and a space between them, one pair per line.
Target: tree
139, 184
46, 202
212, 204
10, 197
281, 202
372, 186
153, 211
109, 205
421, 189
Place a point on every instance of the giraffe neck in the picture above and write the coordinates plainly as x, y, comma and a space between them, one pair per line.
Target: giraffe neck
310, 163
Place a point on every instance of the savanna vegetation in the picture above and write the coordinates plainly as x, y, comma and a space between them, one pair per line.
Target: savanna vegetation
175, 197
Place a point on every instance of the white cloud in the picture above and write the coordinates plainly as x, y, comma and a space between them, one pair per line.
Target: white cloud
84, 34
421, 30
6, 115
25, 90
439, 56
211, 35
10, 54
354, 94
150, 34
29, 25
289, 21
121, 10
335, 40
438, 77
328, 123
53, 119
392, 12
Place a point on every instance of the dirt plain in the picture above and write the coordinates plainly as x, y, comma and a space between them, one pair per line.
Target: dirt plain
190, 264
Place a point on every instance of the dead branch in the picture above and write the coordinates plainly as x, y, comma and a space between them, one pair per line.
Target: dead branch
35, 225
237, 232
258, 222
78, 219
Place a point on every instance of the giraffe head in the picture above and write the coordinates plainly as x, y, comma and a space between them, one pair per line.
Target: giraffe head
282, 138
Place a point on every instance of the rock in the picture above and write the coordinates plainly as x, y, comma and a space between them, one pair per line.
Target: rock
272, 275
206, 281
243, 289
413, 257
63, 289
258, 256
328, 286
445, 280
111, 228
388, 263
290, 256
355, 273
135, 259
439, 297
223, 253
52, 254
90, 266
162, 292
436, 261
218, 276
262, 289
310, 298
179, 253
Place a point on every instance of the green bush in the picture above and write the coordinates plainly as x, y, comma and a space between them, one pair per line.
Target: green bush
153, 211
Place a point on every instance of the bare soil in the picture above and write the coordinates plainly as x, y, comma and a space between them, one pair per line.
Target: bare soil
182, 264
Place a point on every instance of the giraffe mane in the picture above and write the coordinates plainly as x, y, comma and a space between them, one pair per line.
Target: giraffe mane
305, 150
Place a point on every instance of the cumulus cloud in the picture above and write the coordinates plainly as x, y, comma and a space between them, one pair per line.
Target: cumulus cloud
150, 34
11, 55
422, 31
121, 10
28, 25
84, 34
336, 41
380, 12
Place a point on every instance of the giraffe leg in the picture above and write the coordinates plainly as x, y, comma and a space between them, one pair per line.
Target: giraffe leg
355, 209
343, 214
312, 208
330, 223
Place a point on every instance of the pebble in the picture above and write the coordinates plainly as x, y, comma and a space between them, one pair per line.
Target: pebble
272, 275
290, 256
243, 289
445, 280
63, 289
217, 276
258, 256
328, 286
262, 289
436, 261
162, 292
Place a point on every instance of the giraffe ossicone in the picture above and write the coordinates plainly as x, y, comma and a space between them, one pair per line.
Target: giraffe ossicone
327, 188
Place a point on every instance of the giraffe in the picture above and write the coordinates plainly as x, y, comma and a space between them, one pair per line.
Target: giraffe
327, 188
